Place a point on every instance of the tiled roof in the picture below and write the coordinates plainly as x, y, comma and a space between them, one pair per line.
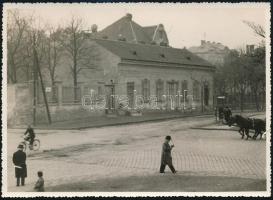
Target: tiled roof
127, 28
152, 53
150, 30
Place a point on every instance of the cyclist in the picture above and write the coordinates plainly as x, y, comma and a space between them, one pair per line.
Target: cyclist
30, 135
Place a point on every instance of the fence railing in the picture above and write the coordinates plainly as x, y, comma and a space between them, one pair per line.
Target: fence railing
51, 95
71, 94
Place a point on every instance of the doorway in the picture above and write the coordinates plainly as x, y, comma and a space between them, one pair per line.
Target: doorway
206, 95
110, 97
172, 99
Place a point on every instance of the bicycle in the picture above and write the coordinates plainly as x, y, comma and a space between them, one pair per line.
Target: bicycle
35, 145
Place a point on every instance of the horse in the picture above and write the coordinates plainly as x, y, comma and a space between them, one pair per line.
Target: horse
259, 126
248, 123
240, 121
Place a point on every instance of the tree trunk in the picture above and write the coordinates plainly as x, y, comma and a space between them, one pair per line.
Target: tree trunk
13, 75
75, 65
256, 99
242, 99
75, 81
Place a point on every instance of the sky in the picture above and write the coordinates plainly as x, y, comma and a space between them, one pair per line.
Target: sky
186, 24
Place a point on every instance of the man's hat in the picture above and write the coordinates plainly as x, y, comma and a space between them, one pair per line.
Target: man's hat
20, 146
168, 137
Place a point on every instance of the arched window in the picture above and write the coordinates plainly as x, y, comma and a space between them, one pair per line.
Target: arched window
206, 94
184, 90
146, 89
196, 91
159, 90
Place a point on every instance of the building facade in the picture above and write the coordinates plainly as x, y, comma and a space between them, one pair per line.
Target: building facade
212, 52
132, 69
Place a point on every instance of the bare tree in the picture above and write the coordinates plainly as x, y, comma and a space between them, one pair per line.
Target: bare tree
257, 28
16, 43
73, 42
52, 52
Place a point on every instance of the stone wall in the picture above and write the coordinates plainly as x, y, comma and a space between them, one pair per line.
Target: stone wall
66, 112
19, 100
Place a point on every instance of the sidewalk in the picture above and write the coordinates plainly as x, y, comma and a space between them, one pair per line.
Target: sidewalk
101, 121
95, 122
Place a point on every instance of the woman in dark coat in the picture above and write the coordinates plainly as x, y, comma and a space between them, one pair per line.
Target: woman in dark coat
166, 157
19, 160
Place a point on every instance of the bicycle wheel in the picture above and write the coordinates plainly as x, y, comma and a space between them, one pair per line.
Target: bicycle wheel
36, 145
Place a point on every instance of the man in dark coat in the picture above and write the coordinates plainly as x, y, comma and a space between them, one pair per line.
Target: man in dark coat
19, 161
221, 113
166, 157
227, 114
30, 134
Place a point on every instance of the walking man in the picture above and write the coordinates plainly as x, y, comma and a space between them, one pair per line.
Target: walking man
19, 161
166, 157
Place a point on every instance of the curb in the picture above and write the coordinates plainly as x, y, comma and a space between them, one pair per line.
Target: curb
119, 123
129, 122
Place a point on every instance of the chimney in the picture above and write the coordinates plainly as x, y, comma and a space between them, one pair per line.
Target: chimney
160, 27
129, 16
94, 28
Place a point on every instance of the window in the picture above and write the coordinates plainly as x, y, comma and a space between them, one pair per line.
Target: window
146, 90
206, 94
196, 91
99, 91
130, 93
184, 91
159, 90
162, 55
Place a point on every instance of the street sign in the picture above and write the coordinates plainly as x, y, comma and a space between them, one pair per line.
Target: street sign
48, 89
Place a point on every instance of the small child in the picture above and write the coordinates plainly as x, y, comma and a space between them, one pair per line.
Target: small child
39, 185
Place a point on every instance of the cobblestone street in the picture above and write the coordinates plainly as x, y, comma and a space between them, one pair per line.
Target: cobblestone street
135, 150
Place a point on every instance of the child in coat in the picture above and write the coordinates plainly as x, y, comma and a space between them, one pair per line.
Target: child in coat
39, 185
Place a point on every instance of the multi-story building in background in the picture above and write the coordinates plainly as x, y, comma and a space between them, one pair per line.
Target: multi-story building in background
213, 52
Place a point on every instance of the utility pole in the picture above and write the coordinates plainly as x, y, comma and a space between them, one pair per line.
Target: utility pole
202, 96
37, 69
35, 77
